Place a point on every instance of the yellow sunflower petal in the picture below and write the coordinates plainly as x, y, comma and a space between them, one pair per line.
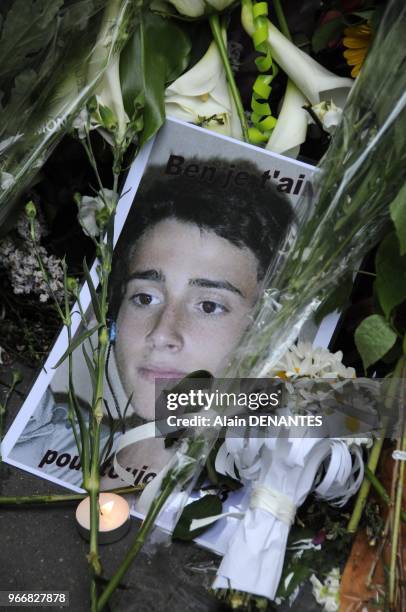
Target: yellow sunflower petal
365, 29
355, 71
362, 31
354, 43
355, 57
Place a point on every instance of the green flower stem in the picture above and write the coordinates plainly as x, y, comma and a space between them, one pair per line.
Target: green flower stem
366, 485
196, 450
144, 530
82, 443
380, 489
29, 500
218, 38
283, 25
398, 504
93, 485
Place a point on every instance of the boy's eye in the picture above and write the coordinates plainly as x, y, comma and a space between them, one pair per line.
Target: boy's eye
145, 299
209, 307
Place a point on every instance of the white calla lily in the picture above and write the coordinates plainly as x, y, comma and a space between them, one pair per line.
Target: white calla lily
201, 96
314, 81
197, 8
291, 127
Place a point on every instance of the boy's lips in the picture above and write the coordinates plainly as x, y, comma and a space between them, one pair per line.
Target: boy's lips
153, 372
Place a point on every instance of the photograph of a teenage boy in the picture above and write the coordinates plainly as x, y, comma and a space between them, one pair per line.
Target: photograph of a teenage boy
187, 271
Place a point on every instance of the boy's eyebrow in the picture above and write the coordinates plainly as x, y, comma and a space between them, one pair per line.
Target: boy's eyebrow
155, 275
214, 284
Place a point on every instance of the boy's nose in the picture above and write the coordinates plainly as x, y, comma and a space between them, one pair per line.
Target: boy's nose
166, 330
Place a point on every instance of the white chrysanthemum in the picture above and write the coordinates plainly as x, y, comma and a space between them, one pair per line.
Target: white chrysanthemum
302, 359
327, 594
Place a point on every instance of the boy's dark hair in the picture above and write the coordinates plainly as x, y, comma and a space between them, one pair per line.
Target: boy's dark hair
253, 215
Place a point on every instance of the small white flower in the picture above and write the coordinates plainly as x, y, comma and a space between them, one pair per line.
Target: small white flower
327, 594
329, 115
367, 442
302, 359
80, 123
23, 269
89, 206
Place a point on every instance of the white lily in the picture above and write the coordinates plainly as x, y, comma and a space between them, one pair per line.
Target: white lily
291, 127
201, 96
314, 81
197, 8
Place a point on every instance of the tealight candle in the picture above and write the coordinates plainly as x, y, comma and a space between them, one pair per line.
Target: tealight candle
114, 518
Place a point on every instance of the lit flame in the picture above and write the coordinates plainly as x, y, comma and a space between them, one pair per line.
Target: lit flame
106, 508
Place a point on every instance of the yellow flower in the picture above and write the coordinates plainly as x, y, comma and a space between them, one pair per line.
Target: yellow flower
357, 39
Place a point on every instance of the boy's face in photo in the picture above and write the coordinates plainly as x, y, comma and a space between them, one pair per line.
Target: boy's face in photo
185, 307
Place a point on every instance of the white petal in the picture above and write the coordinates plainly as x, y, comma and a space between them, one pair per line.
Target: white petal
180, 112
109, 94
196, 106
190, 8
291, 127
202, 78
220, 93
332, 119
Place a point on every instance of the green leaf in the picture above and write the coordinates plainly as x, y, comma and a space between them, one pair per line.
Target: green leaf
373, 339
398, 215
90, 367
326, 32
209, 505
93, 293
156, 54
75, 343
390, 274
